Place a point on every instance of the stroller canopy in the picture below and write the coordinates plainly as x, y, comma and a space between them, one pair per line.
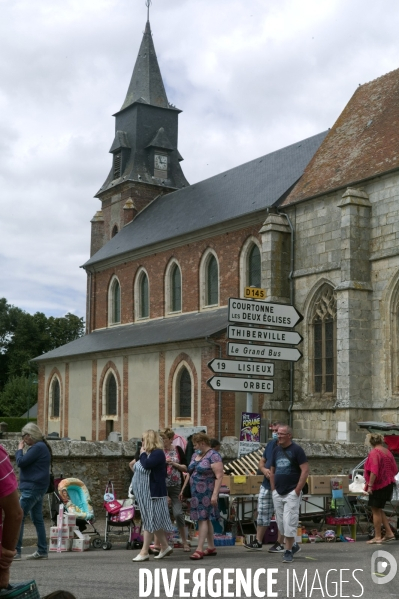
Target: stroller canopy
76, 498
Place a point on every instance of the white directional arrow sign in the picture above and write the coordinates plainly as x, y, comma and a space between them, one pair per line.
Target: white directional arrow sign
229, 383
264, 335
266, 352
241, 367
263, 313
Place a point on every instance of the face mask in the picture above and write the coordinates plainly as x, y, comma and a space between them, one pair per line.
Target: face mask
274, 435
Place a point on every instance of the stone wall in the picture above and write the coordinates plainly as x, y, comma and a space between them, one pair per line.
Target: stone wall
96, 462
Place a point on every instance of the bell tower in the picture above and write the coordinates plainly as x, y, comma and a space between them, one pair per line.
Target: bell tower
145, 158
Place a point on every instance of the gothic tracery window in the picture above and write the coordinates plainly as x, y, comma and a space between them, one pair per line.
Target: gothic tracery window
56, 398
175, 289
323, 328
144, 296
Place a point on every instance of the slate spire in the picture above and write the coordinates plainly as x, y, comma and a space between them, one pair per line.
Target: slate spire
146, 84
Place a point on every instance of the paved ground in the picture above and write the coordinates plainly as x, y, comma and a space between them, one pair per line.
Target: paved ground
99, 574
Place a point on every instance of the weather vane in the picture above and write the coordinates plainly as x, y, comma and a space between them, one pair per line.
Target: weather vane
148, 4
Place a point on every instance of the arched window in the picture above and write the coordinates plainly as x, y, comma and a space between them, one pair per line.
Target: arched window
254, 268
175, 289
111, 396
55, 398
114, 305
324, 338
212, 282
184, 394
144, 304
114, 230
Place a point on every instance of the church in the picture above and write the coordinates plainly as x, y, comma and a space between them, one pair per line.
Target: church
315, 224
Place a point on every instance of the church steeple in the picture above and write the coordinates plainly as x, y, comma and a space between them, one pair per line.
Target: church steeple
145, 156
146, 83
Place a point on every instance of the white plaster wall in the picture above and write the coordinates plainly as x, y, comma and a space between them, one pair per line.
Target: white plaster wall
80, 396
143, 372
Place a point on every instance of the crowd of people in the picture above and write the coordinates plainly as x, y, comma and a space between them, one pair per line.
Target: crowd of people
167, 472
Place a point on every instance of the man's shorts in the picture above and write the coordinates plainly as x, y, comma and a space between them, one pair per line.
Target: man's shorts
265, 507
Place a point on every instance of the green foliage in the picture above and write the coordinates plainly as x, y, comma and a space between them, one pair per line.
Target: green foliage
25, 336
15, 425
19, 394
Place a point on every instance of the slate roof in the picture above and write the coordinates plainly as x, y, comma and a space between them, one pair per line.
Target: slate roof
245, 189
363, 143
152, 332
146, 84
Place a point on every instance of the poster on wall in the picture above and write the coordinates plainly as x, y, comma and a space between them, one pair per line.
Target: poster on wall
249, 433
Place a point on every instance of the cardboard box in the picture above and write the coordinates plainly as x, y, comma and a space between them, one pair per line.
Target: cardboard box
255, 482
238, 485
54, 532
66, 544
81, 544
69, 519
321, 485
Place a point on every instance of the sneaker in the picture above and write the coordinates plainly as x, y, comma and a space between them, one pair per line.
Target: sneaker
37, 555
276, 548
254, 546
17, 557
288, 557
295, 548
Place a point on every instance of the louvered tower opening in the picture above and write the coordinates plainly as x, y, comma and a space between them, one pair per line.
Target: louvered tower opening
117, 165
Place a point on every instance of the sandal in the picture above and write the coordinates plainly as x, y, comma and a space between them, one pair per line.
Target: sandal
197, 555
374, 542
186, 547
388, 539
210, 552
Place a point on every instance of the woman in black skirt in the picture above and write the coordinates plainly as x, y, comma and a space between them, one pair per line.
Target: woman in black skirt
379, 471
149, 488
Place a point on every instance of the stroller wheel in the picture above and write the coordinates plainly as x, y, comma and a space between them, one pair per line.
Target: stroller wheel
105, 546
128, 545
109, 545
97, 543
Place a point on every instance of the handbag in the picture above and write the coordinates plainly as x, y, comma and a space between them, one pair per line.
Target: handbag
21, 590
111, 505
51, 485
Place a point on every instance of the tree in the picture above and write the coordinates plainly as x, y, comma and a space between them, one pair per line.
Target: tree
24, 336
19, 394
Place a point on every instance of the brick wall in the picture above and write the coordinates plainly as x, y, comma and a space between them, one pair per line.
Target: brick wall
227, 247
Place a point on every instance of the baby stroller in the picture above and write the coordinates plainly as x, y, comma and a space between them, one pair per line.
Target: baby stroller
119, 520
73, 493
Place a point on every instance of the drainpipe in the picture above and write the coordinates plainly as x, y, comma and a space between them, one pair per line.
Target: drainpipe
212, 342
292, 300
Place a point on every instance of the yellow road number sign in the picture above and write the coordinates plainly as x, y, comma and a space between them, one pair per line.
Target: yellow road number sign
254, 292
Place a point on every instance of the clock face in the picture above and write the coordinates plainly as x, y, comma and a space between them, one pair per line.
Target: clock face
161, 162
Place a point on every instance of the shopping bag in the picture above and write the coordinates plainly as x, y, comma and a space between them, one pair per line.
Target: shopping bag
21, 590
110, 503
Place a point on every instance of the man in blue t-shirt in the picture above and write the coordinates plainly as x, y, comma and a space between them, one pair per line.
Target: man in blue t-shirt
265, 501
289, 470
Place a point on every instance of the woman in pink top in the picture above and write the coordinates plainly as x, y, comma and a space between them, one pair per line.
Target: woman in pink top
379, 471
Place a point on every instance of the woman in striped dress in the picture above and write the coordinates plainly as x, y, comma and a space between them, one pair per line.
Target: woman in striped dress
149, 488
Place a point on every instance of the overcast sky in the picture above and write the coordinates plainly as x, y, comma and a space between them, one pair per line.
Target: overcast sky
250, 77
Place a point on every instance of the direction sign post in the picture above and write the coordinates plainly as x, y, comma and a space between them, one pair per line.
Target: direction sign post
263, 335
267, 352
230, 383
263, 313
241, 367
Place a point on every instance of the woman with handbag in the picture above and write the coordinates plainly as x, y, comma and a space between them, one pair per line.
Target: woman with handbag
175, 467
34, 482
206, 469
149, 488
